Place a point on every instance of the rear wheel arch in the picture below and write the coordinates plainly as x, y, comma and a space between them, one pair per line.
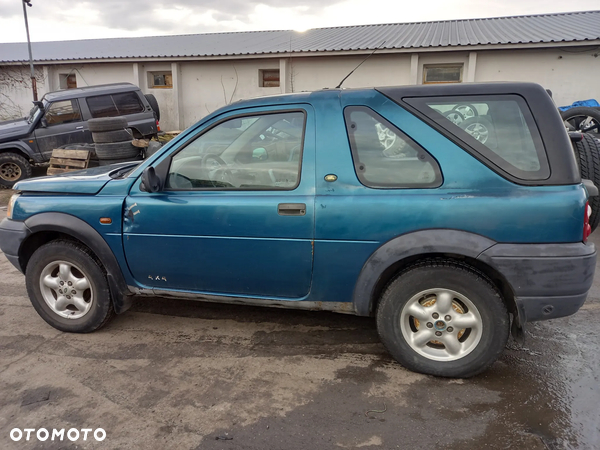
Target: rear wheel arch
403, 252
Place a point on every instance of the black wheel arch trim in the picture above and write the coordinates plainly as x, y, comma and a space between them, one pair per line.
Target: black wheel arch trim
434, 241
84, 232
22, 149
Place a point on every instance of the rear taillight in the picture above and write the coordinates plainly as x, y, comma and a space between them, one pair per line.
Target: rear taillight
157, 126
587, 229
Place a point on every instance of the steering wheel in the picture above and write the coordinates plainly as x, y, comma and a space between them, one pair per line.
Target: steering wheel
178, 181
217, 170
386, 137
293, 152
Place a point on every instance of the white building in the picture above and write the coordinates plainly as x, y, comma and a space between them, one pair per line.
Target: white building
192, 75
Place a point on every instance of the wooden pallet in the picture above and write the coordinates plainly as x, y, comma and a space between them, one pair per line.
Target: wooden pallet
68, 160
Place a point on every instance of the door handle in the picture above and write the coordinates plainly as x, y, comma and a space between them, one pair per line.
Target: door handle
291, 209
79, 128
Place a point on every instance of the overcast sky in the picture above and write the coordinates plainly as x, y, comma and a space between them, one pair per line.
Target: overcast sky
51, 20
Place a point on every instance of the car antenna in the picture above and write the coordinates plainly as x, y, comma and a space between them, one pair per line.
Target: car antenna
361, 63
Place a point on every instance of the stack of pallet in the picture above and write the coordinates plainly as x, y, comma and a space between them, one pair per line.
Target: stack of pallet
68, 160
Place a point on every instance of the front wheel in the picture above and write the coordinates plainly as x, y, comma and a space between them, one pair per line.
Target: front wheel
444, 319
68, 288
13, 168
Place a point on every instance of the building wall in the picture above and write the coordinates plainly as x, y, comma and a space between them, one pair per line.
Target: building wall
90, 74
164, 96
200, 87
570, 74
209, 85
309, 74
16, 94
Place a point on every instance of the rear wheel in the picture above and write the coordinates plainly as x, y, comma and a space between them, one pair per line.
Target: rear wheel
13, 168
68, 288
443, 318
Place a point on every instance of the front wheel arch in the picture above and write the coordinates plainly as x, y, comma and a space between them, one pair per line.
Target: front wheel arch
46, 227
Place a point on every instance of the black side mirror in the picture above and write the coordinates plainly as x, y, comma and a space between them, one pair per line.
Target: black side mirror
43, 122
151, 182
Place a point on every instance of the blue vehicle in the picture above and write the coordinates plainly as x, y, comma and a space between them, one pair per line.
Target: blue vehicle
448, 212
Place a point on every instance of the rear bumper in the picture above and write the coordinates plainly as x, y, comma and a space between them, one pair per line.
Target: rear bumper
12, 235
548, 280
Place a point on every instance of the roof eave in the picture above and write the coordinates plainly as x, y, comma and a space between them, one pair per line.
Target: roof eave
317, 53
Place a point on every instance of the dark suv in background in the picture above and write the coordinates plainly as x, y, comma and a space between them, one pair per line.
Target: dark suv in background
60, 119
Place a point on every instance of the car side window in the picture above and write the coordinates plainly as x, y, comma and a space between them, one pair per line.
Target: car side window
384, 157
102, 106
128, 103
65, 111
253, 152
500, 128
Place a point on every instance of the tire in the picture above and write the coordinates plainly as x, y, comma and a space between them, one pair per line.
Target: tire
13, 168
470, 296
108, 162
587, 153
480, 129
107, 124
104, 137
116, 150
583, 119
154, 104
91, 306
454, 116
153, 147
467, 110
88, 147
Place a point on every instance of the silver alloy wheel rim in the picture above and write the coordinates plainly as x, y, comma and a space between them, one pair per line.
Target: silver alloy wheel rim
66, 289
455, 117
465, 110
478, 131
458, 333
586, 125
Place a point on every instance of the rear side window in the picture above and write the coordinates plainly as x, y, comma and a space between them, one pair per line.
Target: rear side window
128, 103
384, 157
115, 105
102, 106
500, 128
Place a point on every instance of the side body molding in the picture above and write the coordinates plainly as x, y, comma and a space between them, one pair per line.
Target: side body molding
411, 244
71, 225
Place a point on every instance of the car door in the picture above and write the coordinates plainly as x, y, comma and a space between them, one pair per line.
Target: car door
236, 214
61, 125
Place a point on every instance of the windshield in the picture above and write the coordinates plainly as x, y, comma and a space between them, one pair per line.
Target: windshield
35, 112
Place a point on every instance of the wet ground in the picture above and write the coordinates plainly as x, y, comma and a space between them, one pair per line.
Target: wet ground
189, 375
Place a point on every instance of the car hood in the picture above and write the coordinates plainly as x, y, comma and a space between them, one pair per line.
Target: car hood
87, 181
13, 128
